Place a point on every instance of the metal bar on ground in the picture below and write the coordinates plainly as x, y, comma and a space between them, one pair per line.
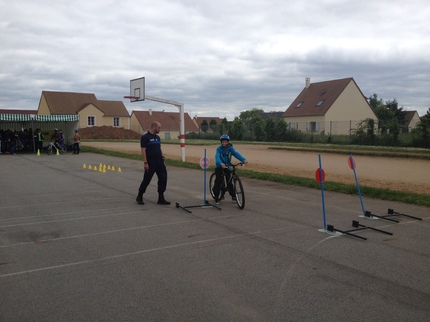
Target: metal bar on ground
332, 229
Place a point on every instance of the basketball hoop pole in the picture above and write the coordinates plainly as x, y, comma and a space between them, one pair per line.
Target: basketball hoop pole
180, 106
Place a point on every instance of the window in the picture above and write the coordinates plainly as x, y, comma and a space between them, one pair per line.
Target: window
293, 125
312, 127
299, 104
320, 102
91, 121
116, 121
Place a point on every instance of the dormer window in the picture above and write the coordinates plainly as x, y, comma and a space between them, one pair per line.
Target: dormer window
320, 102
300, 104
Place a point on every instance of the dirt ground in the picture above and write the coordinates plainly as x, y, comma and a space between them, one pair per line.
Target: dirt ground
401, 174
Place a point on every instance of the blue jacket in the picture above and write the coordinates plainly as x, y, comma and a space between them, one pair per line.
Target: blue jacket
223, 155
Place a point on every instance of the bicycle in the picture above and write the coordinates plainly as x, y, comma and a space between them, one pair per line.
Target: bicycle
239, 193
60, 148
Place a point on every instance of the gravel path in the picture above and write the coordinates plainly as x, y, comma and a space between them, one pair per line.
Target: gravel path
409, 175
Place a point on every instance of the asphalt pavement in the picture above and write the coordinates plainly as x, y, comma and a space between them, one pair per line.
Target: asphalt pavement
75, 246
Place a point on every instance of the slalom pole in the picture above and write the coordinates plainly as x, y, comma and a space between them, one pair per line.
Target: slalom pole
322, 191
352, 165
204, 181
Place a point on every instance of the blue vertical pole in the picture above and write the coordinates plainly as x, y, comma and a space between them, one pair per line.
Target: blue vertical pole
204, 180
322, 192
356, 182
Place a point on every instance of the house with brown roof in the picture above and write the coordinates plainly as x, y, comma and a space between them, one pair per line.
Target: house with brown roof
91, 111
412, 118
199, 119
170, 123
330, 107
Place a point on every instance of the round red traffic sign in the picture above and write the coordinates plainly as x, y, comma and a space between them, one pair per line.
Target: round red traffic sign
204, 162
320, 174
351, 163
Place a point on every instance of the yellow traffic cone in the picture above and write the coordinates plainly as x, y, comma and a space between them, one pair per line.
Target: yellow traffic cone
84, 166
113, 168
58, 152
119, 170
38, 152
89, 167
95, 168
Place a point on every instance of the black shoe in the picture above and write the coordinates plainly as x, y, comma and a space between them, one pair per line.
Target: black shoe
163, 202
139, 200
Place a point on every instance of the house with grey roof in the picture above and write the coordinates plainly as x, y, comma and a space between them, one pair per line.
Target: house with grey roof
330, 107
411, 120
91, 111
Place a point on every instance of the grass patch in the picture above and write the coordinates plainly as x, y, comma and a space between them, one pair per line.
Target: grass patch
376, 193
375, 153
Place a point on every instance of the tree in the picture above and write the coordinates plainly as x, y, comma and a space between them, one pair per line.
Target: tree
213, 125
258, 130
236, 130
364, 133
385, 119
224, 127
269, 128
281, 130
399, 114
204, 126
422, 132
250, 115
375, 103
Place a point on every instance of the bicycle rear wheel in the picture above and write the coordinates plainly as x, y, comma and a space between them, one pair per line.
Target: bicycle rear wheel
49, 149
239, 192
212, 184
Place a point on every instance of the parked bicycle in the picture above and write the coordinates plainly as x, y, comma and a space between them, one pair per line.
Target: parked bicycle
54, 147
239, 193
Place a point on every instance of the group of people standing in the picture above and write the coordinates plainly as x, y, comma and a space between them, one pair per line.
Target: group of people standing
153, 163
58, 139
12, 140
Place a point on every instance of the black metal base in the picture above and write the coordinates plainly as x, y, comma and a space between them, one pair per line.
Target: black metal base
358, 227
370, 215
394, 213
204, 205
390, 213
332, 229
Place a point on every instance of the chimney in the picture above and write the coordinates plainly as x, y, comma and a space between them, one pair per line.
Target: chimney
308, 82
150, 111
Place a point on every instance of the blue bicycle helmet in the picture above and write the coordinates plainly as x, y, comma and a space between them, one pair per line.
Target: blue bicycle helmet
224, 137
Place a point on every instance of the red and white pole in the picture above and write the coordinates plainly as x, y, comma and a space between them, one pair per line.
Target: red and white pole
182, 131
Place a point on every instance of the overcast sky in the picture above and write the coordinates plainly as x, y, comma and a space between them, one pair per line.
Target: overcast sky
217, 57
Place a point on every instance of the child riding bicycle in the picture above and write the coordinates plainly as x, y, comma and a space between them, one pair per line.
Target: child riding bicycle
223, 155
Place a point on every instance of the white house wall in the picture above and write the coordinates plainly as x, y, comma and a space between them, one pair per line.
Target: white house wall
350, 106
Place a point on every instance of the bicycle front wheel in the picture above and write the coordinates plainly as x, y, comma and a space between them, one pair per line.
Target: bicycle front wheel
239, 192
49, 150
212, 184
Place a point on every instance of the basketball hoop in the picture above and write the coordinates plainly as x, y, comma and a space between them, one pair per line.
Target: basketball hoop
132, 98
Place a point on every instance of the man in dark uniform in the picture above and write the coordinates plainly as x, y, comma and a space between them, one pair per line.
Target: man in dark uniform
153, 163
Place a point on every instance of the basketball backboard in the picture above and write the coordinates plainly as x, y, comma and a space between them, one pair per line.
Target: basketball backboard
137, 89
